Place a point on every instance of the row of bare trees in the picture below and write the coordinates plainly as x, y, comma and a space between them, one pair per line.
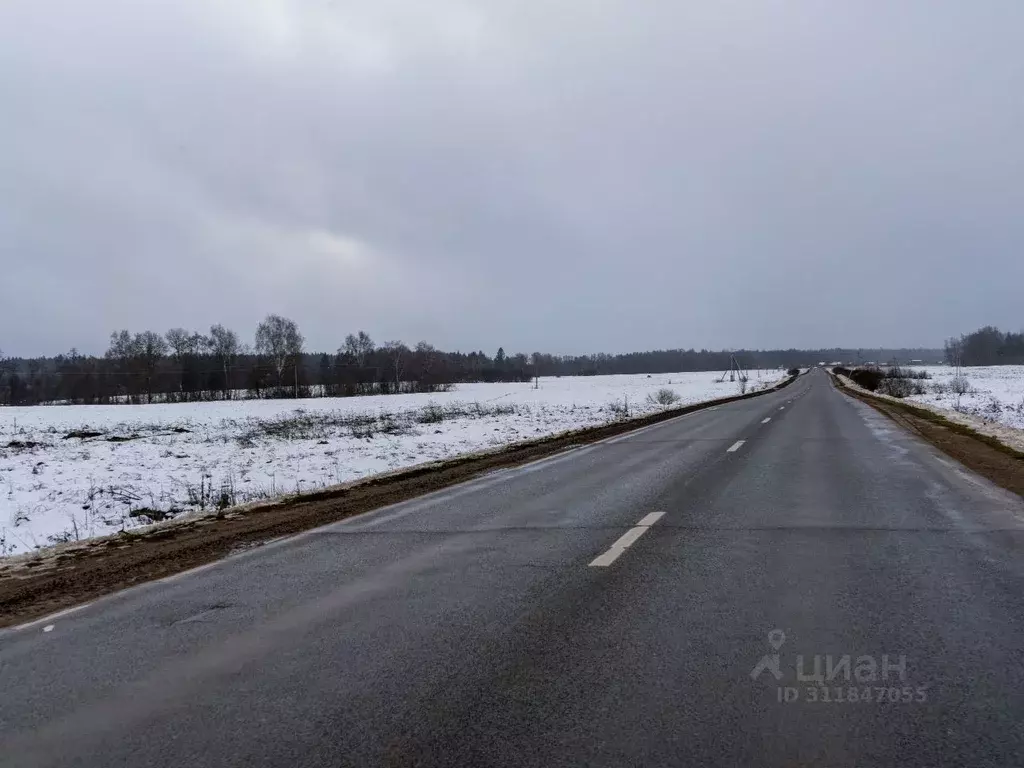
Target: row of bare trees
182, 365
176, 364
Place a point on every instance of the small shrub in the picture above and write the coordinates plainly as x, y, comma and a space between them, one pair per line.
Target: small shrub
618, 408
432, 413
992, 408
389, 425
793, 372
895, 387
868, 378
664, 397
960, 385
363, 431
906, 373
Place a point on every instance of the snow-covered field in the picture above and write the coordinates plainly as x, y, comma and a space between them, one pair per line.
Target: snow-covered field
134, 464
995, 393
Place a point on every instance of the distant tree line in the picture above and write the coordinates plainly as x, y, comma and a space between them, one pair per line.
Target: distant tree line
986, 346
189, 366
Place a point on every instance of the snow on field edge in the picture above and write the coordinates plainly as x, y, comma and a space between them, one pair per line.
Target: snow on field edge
144, 462
1010, 436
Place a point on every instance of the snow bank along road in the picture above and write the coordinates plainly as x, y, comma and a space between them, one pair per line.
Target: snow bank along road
994, 393
786, 580
75, 472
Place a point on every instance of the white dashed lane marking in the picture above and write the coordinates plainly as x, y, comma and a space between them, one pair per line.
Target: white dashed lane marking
650, 519
765, 421
735, 446
626, 540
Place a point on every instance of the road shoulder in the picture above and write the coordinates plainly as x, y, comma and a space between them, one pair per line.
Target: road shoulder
999, 463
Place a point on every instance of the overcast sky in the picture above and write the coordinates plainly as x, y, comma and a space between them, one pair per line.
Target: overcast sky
569, 176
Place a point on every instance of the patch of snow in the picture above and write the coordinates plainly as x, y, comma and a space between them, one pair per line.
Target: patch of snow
996, 393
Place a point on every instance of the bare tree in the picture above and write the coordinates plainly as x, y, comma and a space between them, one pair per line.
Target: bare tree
138, 356
120, 353
278, 339
185, 347
121, 346
224, 346
151, 349
396, 351
349, 347
427, 355
178, 341
358, 347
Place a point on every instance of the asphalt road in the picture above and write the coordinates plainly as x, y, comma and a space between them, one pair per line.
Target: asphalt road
607, 606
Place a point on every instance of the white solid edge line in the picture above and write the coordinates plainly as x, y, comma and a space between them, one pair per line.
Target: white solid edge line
735, 446
765, 421
48, 619
650, 427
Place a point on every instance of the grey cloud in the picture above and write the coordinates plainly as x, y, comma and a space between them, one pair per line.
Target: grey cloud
568, 177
